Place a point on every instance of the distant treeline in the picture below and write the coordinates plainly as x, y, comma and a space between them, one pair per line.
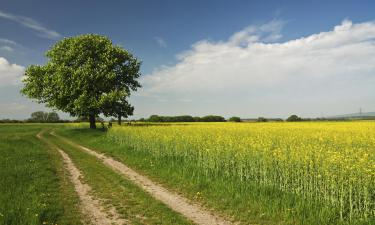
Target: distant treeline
33, 121
39, 117
53, 117
184, 118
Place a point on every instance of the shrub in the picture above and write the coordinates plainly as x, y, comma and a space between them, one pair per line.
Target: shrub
235, 119
293, 118
262, 119
212, 118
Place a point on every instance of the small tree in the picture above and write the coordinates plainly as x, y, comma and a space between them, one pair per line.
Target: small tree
118, 109
235, 119
85, 76
293, 118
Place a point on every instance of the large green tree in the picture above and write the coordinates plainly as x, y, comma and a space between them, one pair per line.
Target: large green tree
85, 75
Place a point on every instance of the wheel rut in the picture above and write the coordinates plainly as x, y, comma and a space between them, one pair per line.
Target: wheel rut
91, 207
176, 202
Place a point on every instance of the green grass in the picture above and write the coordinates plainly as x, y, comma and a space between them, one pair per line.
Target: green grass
246, 202
33, 184
129, 200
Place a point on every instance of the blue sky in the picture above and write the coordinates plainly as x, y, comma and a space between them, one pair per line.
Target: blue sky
185, 44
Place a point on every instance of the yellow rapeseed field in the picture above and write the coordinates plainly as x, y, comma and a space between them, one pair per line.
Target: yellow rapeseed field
332, 162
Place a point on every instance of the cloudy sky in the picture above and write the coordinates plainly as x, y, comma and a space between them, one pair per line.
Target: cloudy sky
243, 58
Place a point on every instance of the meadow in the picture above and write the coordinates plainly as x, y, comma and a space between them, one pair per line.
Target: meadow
294, 173
35, 186
32, 185
251, 173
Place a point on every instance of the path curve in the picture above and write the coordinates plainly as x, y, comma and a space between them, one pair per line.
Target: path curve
91, 207
192, 211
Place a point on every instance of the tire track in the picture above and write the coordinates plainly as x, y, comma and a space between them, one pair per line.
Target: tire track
91, 207
176, 202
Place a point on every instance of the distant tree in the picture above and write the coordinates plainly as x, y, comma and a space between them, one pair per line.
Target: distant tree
185, 118
155, 118
212, 118
293, 118
39, 116
11, 121
43, 117
118, 109
53, 117
235, 119
85, 75
262, 119
86, 119
197, 119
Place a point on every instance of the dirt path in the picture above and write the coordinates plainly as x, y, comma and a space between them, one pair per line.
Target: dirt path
91, 207
192, 211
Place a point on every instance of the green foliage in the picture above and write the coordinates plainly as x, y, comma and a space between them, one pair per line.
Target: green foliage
86, 119
197, 119
212, 118
235, 119
155, 118
185, 118
85, 75
262, 119
11, 121
293, 118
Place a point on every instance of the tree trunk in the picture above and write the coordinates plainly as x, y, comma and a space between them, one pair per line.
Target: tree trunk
92, 121
119, 120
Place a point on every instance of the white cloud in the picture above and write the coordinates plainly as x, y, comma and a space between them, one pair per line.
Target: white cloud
161, 42
253, 74
268, 32
6, 41
10, 74
32, 24
7, 48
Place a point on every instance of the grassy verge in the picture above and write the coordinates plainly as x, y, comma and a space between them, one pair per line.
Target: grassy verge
246, 202
130, 201
34, 188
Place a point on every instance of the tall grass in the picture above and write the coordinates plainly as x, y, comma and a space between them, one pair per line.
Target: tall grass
330, 163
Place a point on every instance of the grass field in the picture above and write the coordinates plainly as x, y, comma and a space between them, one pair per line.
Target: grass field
288, 173
35, 187
253, 173
32, 184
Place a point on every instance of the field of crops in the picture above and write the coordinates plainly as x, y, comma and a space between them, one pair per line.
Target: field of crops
332, 163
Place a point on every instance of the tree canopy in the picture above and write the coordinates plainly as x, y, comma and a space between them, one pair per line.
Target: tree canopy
85, 75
